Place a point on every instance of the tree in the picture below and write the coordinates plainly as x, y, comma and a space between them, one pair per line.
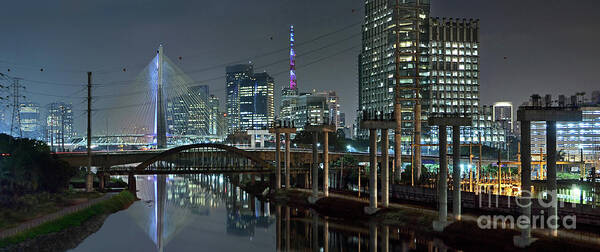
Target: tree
26, 166
238, 137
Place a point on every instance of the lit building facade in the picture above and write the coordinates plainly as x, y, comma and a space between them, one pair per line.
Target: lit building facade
441, 56
503, 115
310, 109
333, 105
256, 101
29, 114
213, 120
59, 124
574, 139
235, 75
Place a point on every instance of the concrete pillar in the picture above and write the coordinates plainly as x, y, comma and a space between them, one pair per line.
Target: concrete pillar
442, 221
373, 169
326, 164
417, 136
131, 183
277, 160
315, 173
287, 160
397, 142
524, 239
385, 169
252, 141
551, 166
385, 246
101, 181
456, 200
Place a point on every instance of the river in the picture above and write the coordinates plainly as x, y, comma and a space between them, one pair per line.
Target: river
208, 213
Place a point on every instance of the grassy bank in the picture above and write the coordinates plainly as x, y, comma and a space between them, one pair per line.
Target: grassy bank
114, 204
31, 206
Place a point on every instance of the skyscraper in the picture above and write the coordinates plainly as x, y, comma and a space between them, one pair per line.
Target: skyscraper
213, 121
235, 75
310, 109
437, 62
256, 102
333, 105
388, 25
250, 100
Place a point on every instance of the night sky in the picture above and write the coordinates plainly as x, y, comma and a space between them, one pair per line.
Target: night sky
527, 47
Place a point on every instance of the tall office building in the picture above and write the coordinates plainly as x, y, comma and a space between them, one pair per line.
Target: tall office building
213, 121
235, 75
29, 114
59, 124
189, 114
440, 57
377, 63
256, 102
503, 115
250, 100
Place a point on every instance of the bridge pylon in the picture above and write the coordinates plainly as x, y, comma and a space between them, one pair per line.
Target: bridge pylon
287, 129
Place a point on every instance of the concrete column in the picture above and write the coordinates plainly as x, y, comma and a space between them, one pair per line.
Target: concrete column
385, 169
326, 164
315, 173
277, 160
131, 183
456, 200
442, 181
397, 142
524, 239
551, 166
287, 160
252, 141
101, 181
373, 168
385, 246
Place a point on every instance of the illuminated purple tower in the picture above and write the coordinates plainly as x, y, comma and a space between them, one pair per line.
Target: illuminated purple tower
292, 60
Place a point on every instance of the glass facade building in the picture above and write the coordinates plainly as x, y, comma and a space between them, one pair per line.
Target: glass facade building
256, 102
29, 114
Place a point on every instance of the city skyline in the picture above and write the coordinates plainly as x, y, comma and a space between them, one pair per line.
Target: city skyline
65, 60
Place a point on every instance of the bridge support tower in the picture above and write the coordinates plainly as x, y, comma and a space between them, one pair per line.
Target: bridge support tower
287, 130
374, 123
551, 115
443, 123
316, 129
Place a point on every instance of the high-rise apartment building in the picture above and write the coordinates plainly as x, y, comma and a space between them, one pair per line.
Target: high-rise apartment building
213, 120
332, 103
310, 109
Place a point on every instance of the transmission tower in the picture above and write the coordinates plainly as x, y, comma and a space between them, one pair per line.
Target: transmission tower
15, 121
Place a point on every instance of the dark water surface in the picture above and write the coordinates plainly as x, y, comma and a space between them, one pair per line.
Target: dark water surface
208, 213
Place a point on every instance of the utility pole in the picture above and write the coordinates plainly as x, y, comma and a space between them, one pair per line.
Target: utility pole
89, 183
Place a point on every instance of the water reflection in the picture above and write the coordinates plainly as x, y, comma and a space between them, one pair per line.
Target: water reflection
209, 213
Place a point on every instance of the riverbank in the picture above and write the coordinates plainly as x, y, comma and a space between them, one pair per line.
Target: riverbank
458, 235
67, 231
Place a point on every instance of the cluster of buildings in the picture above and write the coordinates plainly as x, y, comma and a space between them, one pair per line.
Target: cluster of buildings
52, 123
438, 64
